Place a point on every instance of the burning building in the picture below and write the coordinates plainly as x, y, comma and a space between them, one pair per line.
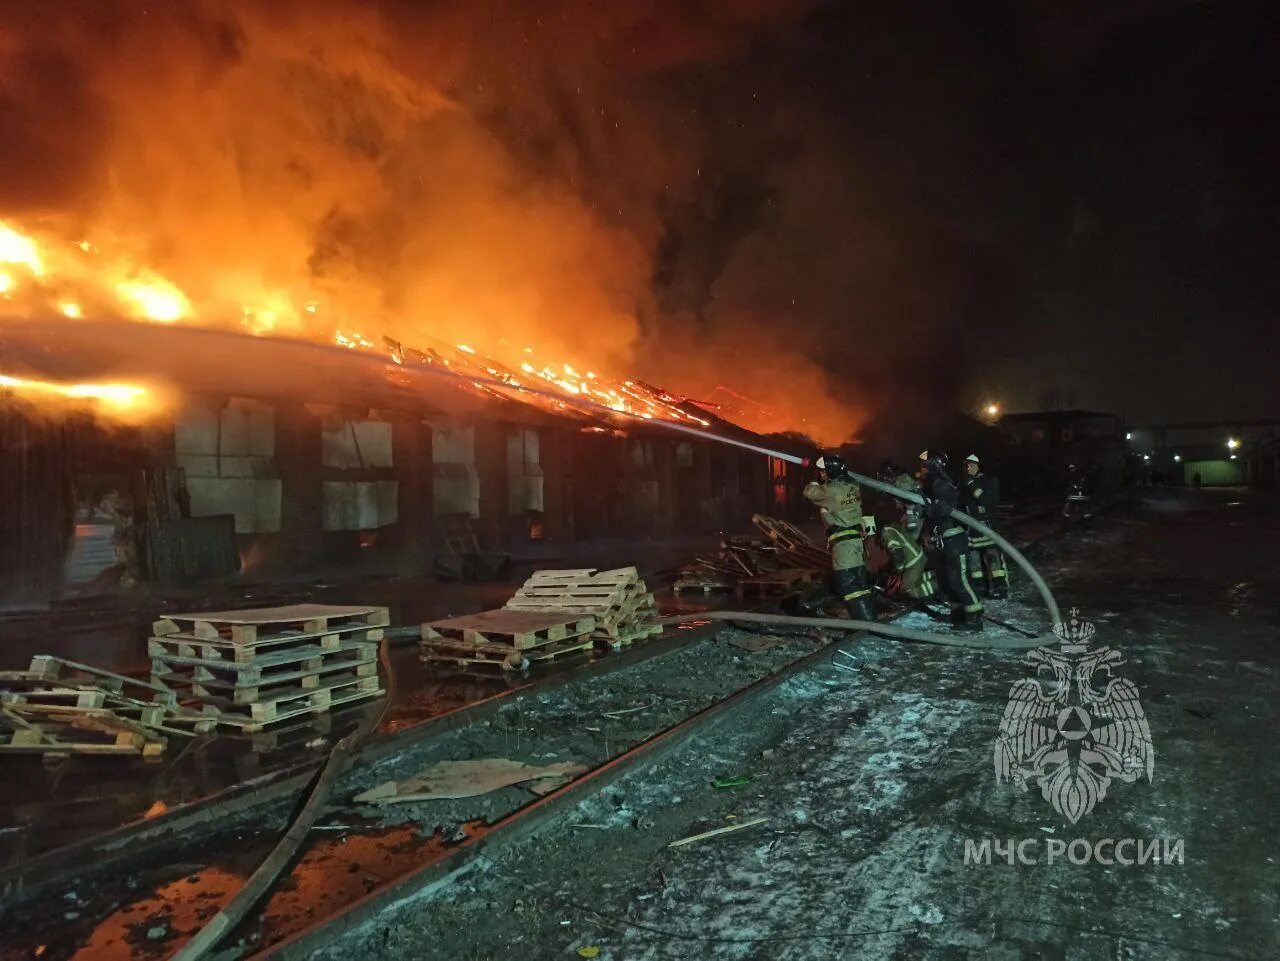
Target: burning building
278, 453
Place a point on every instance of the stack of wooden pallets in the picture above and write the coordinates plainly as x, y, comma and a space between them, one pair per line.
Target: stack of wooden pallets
59, 707
623, 607
252, 668
510, 639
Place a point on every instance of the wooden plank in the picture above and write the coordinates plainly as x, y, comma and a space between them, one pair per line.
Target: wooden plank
68, 673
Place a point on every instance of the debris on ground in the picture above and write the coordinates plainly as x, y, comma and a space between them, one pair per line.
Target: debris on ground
755, 643
752, 822
460, 779
784, 559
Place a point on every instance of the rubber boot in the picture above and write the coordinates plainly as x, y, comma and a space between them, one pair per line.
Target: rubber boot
973, 622
862, 608
957, 617
1001, 591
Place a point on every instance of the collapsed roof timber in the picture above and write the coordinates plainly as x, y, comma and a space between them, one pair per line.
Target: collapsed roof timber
309, 451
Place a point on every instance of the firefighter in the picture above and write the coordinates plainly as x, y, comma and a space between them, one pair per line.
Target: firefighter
911, 576
941, 498
1076, 505
979, 498
913, 515
840, 503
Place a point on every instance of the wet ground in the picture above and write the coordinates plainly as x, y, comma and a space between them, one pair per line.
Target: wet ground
47, 806
872, 783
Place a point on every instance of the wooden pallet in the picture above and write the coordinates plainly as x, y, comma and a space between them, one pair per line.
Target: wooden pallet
623, 607
448, 651
512, 629
304, 657
205, 686
38, 729
271, 625
289, 701
184, 645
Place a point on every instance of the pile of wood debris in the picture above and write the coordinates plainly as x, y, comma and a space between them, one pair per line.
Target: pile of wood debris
781, 560
57, 708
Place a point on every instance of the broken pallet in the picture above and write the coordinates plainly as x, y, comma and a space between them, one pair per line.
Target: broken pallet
34, 729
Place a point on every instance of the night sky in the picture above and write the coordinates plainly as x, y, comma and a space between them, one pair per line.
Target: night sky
1017, 203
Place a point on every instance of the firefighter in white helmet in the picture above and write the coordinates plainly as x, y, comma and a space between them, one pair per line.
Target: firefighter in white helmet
979, 498
839, 500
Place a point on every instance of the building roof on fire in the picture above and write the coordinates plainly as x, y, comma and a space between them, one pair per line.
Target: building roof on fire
209, 362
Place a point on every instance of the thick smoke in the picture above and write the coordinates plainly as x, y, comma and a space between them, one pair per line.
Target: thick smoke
642, 187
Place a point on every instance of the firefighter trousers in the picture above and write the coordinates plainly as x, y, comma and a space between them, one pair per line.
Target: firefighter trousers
953, 560
853, 586
987, 570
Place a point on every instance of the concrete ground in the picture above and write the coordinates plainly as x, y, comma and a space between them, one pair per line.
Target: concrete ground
873, 782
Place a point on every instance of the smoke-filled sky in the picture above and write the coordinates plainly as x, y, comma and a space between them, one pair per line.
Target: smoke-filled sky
822, 211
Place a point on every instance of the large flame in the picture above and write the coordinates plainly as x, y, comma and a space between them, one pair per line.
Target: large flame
117, 401
84, 273
319, 171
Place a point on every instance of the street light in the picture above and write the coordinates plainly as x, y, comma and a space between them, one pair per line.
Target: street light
993, 410
1128, 435
1232, 443
1177, 458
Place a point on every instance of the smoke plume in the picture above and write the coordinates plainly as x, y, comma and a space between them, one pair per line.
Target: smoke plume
630, 186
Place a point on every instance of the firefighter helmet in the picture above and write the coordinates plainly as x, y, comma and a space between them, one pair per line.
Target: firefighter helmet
833, 464
933, 463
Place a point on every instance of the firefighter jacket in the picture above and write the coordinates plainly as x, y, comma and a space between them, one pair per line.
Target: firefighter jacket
980, 497
839, 501
906, 482
943, 497
903, 549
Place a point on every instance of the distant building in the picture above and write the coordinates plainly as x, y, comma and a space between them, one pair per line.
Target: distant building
1043, 445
